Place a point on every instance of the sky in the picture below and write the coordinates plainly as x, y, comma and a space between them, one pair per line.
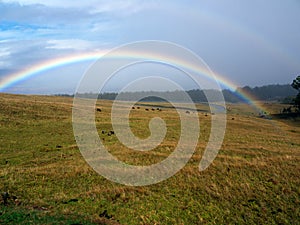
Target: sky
247, 42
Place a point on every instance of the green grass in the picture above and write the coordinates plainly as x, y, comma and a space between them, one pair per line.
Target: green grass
20, 216
253, 180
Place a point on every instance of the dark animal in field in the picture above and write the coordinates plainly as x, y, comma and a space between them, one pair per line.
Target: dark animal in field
132, 108
138, 107
287, 110
147, 109
99, 110
152, 109
103, 131
188, 112
110, 133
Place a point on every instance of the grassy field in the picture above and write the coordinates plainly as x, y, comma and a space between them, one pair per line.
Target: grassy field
255, 178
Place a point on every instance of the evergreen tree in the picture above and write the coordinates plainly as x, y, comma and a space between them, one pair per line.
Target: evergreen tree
296, 85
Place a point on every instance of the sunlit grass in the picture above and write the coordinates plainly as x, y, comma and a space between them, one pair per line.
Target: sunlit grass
254, 179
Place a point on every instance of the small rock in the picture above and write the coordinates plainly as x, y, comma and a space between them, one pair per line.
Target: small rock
123, 195
17, 202
105, 214
73, 200
5, 197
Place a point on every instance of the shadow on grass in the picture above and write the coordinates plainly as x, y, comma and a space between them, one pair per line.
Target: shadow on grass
22, 216
292, 118
291, 115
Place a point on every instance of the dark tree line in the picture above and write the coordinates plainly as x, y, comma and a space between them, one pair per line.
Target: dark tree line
296, 85
275, 92
264, 93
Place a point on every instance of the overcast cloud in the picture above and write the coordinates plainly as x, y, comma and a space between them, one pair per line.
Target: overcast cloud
248, 42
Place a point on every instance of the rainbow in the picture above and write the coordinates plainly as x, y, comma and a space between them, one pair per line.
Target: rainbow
41, 67
38, 69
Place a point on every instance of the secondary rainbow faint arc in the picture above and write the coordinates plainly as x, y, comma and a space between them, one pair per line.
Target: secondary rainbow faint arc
58, 62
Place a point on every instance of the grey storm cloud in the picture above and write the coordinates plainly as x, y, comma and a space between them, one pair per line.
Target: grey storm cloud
248, 42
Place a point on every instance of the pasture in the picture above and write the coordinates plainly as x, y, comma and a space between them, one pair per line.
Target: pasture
255, 179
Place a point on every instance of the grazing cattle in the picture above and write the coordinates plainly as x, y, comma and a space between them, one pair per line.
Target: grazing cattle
132, 107
188, 112
103, 131
138, 107
287, 110
111, 132
99, 110
152, 109
147, 109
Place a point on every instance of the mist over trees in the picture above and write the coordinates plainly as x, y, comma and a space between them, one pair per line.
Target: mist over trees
276, 92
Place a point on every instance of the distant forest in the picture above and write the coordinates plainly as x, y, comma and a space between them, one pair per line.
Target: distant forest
278, 92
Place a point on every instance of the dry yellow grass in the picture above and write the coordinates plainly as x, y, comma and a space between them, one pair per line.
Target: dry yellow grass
254, 179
